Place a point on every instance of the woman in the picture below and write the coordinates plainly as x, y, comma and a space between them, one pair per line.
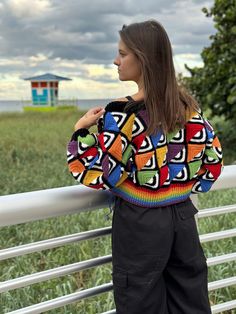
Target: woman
152, 150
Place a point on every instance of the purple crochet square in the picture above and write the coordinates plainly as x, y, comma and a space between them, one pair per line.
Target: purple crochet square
73, 147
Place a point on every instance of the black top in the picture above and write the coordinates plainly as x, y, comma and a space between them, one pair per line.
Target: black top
129, 98
130, 106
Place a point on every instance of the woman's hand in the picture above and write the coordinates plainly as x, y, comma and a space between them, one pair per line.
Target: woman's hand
90, 118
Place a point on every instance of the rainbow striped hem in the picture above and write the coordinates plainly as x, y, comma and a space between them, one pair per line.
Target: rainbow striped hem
143, 197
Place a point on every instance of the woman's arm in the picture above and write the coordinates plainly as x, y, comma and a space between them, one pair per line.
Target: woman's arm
212, 162
99, 160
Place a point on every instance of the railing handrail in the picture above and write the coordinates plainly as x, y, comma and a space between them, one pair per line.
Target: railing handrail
36, 205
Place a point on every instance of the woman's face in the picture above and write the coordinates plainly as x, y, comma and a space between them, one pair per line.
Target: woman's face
127, 63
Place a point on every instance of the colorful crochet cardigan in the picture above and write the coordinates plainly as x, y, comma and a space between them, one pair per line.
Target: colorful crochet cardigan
148, 171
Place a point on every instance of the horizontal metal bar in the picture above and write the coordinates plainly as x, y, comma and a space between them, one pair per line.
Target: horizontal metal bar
110, 312
230, 305
202, 213
30, 206
221, 283
217, 235
211, 261
52, 243
64, 300
52, 273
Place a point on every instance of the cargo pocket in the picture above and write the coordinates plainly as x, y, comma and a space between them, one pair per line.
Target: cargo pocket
187, 243
187, 211
134, 290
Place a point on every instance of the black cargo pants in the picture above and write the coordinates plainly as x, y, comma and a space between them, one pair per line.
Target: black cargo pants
159, 266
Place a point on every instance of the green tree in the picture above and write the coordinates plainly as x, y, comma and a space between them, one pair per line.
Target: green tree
214, 84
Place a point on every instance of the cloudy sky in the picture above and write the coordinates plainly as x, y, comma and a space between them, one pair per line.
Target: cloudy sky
78, 39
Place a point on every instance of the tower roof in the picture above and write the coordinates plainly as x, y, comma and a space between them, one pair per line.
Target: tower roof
47, 77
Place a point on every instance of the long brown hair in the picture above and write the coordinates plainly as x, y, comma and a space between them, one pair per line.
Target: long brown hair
166, 102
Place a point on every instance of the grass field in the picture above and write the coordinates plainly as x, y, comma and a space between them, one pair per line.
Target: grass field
33, 157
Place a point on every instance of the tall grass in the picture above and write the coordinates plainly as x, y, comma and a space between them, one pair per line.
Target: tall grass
33, 157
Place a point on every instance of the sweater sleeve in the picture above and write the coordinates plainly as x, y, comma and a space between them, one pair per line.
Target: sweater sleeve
101, 160
212, 162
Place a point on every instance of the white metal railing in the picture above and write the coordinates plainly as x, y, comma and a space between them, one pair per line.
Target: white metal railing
31, 206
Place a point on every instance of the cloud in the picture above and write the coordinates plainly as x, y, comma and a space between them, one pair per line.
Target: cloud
78, 39
192, 60
24, 9
73, 29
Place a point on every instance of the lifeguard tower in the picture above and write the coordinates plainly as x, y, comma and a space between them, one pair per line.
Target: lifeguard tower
45, 89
